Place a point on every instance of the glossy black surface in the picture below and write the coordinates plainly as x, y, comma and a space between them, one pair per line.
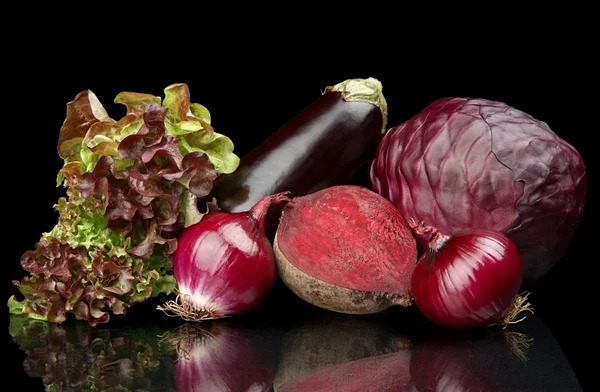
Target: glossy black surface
312, 350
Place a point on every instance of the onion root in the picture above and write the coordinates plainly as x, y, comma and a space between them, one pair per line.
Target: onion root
183, 307
519, 306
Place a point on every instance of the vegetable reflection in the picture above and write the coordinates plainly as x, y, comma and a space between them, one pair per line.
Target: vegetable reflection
340, 352
320, 351
467, 363
220, 358
191, 357
75, 357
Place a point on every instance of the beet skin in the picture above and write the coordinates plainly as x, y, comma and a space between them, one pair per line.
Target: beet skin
346, 249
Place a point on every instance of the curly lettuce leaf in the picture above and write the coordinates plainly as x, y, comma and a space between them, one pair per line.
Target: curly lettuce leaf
219, 150
88, 133
155, 184
190, 124
81, 223
84, 268
82, 113
132, 186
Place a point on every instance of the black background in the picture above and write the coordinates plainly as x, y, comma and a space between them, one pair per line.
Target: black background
254, 85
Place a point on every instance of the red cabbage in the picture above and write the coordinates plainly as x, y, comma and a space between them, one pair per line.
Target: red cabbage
465, 163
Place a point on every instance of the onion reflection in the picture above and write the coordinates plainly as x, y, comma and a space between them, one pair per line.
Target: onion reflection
220, 358
477, 362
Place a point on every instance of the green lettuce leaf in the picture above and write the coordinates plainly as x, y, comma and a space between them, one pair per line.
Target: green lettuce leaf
190, 124
219, 150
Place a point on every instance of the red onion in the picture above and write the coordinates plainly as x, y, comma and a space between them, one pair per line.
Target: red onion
224, 264
469, 280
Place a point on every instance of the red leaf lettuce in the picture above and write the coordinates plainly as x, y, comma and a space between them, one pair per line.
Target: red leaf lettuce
132, 186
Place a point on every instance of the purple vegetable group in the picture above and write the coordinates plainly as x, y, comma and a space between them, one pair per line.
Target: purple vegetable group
133, 224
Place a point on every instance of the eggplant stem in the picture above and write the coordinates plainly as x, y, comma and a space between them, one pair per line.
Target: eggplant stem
519, 306
184, 308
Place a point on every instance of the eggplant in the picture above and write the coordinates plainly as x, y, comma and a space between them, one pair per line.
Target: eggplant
326, 144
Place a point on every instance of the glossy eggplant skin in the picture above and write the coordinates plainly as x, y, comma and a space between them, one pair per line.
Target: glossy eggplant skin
324, 145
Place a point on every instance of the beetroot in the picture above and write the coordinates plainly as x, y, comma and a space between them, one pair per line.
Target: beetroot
346, 249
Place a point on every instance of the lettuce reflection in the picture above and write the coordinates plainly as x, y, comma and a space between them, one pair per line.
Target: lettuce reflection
75, 357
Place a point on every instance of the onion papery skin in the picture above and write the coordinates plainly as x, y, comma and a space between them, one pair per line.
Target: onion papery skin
224, 264
469, 280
